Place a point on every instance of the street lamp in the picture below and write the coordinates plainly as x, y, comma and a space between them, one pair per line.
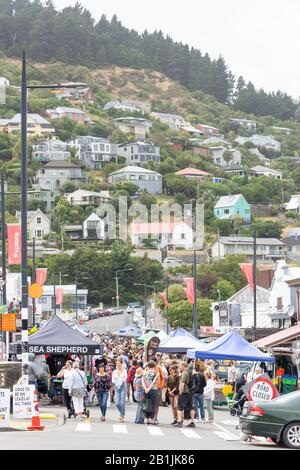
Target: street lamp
24, 261
117, 284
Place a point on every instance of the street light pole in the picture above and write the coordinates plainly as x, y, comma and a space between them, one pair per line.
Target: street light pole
5, 336
167, 309
117, 284
24, 267
33, 279
254, 287
145, 302
195, 309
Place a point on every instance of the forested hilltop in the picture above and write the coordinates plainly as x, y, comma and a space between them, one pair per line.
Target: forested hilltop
74, 37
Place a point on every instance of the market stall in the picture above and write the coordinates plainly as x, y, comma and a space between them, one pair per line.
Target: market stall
179, 341
145, 338
129, 331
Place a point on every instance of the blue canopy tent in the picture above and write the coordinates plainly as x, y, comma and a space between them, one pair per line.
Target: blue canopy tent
230, 346
179, 341
129, 331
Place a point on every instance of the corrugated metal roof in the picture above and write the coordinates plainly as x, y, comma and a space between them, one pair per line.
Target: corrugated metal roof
281, 337
228, 201
243, 240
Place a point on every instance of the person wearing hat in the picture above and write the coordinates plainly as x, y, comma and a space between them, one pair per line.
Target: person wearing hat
139, 395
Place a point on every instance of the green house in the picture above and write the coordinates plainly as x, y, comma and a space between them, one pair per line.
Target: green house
229, 207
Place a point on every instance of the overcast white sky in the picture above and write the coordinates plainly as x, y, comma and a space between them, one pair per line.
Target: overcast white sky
259, 39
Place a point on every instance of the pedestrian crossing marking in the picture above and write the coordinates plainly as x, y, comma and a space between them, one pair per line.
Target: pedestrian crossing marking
190, 434
120, 428
223, 435
229, 435
155, 431
230, 423
83, 427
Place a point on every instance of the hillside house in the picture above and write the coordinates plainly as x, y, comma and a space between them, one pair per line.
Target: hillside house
51, 150
75, 114
94, 152
293, 204
139, 152
144, 179
76, 95
36, 125
82, 198
264, 141
207, 131
55, 174
258, 171
268, 249
163, 234
94, 227
174, 121
129, 106
137, 127
191, 173
38, 224
229, 207
256, 153
247, 123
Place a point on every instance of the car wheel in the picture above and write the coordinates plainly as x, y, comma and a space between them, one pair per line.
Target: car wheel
291, 435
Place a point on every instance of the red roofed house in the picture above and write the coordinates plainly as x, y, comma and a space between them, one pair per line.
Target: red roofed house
164, 234
192, 173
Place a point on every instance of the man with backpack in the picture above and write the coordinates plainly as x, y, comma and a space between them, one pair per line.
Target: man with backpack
197, 385
131, 376
185, 399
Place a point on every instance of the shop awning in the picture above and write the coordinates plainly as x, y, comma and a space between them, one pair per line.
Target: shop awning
58, 338
230, 346
281, 338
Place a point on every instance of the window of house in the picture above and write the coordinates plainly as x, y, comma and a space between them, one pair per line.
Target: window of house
183, 236
39, 233
226, 211
279, 303
38, 220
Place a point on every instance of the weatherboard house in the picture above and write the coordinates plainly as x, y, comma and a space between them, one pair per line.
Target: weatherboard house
229, 207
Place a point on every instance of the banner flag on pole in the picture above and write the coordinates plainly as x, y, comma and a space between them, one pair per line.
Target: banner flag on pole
14, 243
247, 270
59, 295
164, 296
41, 276
189, 289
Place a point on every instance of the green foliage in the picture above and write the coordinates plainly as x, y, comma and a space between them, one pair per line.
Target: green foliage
268, 229
222, 290
181, 313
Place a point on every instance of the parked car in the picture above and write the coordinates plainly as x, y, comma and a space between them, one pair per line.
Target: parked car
104, 312
93, 315
173, 262
116, 311
137, 316
278, 419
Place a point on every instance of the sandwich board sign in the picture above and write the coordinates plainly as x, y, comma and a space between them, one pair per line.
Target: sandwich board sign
4, 407
23, 401
262, 388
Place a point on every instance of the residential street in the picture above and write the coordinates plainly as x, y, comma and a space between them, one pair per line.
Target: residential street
111, 435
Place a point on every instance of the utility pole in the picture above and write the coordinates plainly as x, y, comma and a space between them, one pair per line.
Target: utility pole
24, 262
117, 290
195, 309
33, 279
254, 286
3, 233
167, 306
145, 302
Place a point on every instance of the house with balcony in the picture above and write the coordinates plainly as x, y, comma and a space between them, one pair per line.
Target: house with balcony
137, 127
208, 131
77, 95
75, 114
263, 141
43, 195
170, 235
94, 228
257, 171
94, 152
36, 125
229, 207
145, 180
139, 152
55, 174
38, 224
83, 198
174, 121
246, 123
51, 150
129, 106
221, 155
267, 249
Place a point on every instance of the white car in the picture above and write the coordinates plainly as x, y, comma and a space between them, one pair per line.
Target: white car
173, 262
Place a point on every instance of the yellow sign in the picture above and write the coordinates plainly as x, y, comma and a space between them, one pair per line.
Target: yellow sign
35, 291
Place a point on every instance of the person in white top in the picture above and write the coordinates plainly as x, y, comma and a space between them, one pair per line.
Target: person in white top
209, 396
77, 390
232, 374
66, 373
119, 379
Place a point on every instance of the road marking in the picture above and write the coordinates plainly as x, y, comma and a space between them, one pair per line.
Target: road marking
223, 435
230, 423
190, 434
83, 427
232, 436
120, 428
155, 431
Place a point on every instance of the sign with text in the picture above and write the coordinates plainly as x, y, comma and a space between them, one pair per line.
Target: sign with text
4, 407
14, 243
8, 322
23, 401
261, 388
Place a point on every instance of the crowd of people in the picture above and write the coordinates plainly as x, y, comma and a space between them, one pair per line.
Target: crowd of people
124, 374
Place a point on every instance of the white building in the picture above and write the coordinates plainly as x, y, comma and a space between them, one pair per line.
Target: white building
38, 224
265, 141
83, 197
164, 234
51, 150
218, 156
129, 106
139, 152
243, 123
174, 121
4, 82
47, 301
75, 114
293, 204
258, 171
267, 249
94, 227
94, 152
135, 126
144, 179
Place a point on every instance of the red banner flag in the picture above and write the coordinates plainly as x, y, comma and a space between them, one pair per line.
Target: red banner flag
59, 295
164, 296
247, 270
41, 276
189, 289
14, 243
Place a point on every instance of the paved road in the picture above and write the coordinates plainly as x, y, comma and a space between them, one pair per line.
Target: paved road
109, 324
111, 435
